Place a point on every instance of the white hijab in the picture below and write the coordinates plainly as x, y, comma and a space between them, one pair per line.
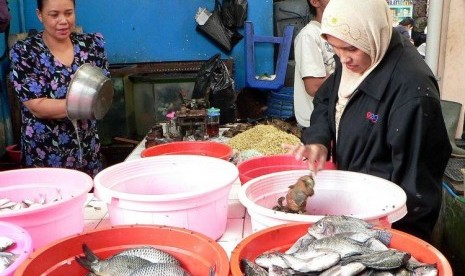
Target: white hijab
365, 24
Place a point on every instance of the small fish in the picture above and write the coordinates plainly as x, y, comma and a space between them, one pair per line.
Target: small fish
252, 269
7, 259
342, 245
5, 243
301, 244
151, 254
381, 260
419, 268
265, 260
165, 269
315, 264
113, 266
333, 225
347, 270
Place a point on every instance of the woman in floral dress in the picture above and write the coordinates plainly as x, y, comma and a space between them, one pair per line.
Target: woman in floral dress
42, 67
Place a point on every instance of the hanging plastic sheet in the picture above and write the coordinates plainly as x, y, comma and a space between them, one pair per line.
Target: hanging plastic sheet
215, 83
234, 13
211, 24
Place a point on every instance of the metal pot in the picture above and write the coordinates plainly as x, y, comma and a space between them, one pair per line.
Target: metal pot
90, 93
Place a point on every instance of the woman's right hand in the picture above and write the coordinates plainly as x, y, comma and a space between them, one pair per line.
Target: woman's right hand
316, 155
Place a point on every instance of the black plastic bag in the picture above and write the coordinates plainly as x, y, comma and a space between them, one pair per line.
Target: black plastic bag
215, 83
218, 32
234, 13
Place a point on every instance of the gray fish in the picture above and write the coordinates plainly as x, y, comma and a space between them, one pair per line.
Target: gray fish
275, 270
318, 263
381, 260
420, 268
342, 245
114, 266
271, 258
347, 270
166, 269
151, 254
333, 225
301, 244
5, 243
252, 269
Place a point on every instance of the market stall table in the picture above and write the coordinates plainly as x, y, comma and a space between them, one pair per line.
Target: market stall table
238, 223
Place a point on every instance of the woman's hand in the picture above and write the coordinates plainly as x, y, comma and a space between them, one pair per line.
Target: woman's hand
316, 155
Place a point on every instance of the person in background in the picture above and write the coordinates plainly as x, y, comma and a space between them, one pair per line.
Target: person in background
379, 113
405, 26
314, 62
42, 67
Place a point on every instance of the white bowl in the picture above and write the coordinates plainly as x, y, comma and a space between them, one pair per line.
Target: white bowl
367, 197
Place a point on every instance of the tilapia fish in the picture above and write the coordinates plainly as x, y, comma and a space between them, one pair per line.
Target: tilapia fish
132, 261
333, 225
252, 269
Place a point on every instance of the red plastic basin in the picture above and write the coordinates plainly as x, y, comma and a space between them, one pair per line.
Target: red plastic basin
282, 237
258, 166
206, 148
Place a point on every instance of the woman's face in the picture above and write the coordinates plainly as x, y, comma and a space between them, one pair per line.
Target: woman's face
58, 18
351, 57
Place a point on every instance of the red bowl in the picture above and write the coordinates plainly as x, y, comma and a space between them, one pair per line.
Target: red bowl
282, 237
14, 153
196, 252
206, 148
258, 166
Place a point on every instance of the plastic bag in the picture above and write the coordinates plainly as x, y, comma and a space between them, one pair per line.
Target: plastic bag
215, 83
214, 28
234, 13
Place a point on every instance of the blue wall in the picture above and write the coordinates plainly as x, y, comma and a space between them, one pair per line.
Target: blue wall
157, 30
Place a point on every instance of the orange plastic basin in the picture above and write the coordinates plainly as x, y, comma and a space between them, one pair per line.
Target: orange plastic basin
282, 237
196, 252
206, 148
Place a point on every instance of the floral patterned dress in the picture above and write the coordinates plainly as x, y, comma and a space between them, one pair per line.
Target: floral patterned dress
35, 73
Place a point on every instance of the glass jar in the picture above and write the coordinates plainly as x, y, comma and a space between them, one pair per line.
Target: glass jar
213, 122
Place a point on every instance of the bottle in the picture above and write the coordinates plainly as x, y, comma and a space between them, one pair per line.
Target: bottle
213, 122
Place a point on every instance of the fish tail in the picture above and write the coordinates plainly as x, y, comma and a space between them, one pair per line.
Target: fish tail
84, 262
89, 255
384, 236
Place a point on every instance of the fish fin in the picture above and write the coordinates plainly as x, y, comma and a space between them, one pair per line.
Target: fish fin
89, 255
84, 262
384, 236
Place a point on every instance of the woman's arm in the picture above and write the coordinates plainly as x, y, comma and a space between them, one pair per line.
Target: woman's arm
44, 108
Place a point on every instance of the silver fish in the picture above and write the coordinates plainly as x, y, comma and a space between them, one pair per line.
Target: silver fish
113, 266
5, 243
151, 254
275, 270
271, 258
166, 269
301, 244
7, 259
347, 270
315, 264
342, 245
381, 260
332, 225
252, 269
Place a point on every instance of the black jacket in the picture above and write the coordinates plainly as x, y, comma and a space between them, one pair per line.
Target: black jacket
392, 128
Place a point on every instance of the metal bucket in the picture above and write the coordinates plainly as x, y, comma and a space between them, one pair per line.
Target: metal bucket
90, 93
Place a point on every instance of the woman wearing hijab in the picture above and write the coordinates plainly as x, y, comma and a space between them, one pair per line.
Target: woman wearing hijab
379, 113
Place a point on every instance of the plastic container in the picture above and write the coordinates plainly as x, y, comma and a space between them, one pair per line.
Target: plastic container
22, 246
258, 166
187, 191
55, 219
196, 252
367, 197
205, 148
213, 122
14, 153
282, 237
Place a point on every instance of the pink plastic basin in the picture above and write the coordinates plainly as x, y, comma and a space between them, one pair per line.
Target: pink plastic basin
55, 219
186, 191
367, 197
22, 246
